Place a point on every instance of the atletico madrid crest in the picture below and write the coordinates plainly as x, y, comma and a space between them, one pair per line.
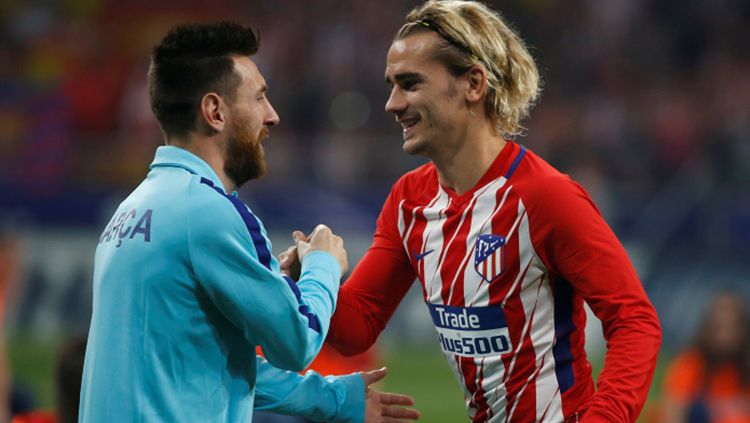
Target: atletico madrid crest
489, 256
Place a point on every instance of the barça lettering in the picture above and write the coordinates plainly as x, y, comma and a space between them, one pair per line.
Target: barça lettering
128, 225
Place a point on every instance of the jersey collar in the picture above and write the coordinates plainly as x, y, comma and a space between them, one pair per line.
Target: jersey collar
171, 156
504, 165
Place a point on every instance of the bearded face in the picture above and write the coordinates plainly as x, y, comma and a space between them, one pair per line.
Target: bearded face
245, 159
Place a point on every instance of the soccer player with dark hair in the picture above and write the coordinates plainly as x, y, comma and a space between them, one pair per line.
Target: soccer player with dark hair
185, 285
506, 248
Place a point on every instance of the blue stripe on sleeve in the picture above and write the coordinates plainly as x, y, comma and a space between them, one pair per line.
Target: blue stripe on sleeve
313, 322
264, 255
516, 162
564, 326
251, 222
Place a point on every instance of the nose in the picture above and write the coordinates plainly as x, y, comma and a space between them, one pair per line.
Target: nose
396, 101
271, 118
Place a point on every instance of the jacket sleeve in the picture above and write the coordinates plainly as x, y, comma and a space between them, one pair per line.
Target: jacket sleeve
231, 258
574, 242
317, 398
370, 296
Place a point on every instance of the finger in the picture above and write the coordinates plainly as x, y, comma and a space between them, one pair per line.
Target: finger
285, 256
373, 376
288, 254
302, 248
320, 228
395, 399
299, 235
400, 413
300, 243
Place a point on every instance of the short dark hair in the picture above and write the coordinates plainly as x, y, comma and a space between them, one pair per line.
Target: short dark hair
190, 61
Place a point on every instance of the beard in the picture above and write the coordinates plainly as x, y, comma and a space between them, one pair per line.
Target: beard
244, 154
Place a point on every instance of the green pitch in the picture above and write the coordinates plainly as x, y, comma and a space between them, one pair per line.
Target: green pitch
421, 372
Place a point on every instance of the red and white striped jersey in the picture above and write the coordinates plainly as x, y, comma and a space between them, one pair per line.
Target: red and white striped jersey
505, 269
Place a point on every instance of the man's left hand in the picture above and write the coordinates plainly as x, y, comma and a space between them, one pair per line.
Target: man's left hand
289, 259
385, 407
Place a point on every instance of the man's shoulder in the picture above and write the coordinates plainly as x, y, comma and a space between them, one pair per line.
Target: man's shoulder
210, 208
187, 198
182, 192
416, 180
536, 180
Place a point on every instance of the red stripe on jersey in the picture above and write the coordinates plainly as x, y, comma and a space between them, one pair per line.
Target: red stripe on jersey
479, 399
415, 244
455, 230
522, 400
502, 223
469, 369
522, 361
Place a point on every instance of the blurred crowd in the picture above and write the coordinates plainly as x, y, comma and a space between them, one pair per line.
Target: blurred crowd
709, 380
644, 102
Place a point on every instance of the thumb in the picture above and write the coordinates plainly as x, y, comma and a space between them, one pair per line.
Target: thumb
287, 257
298, 236
373, 376
302, 247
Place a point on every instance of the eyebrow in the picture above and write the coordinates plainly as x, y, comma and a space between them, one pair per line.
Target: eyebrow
401, 77
263, 89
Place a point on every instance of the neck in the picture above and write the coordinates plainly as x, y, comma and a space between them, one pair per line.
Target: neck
210, 152
460, 169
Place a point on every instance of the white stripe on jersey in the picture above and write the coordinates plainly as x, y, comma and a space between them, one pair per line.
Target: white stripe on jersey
402, 222
444, 255
490, 370
456, 368
432, 239
525, 258
473, 282
539, 309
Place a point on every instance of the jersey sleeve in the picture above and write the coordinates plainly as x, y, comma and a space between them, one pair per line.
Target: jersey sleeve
231, 258
317, 398
575, 243
369, 297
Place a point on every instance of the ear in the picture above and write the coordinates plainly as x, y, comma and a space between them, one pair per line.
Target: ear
477, 78
213, 111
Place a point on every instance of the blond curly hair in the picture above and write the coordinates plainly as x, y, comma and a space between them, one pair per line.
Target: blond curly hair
472, 35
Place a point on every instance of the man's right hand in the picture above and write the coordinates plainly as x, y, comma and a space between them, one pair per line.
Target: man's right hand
322, 239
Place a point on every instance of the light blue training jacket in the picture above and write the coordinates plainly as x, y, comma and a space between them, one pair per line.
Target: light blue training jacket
185, 287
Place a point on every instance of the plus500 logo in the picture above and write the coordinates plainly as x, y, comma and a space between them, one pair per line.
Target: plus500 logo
474, 344
471, 331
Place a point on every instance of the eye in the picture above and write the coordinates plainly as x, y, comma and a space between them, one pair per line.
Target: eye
409, 85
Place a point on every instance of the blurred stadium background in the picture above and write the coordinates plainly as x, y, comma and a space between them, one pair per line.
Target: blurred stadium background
645, 103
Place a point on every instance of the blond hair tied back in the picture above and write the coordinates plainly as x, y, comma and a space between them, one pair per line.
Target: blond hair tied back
473, 34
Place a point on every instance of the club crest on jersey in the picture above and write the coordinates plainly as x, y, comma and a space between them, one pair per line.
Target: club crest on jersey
489, 256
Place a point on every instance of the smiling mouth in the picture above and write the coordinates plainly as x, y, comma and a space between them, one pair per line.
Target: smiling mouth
408, 123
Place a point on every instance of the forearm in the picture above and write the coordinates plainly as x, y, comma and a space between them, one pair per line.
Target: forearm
368, 299
317, 398
353, 329
316, 293
632, 350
